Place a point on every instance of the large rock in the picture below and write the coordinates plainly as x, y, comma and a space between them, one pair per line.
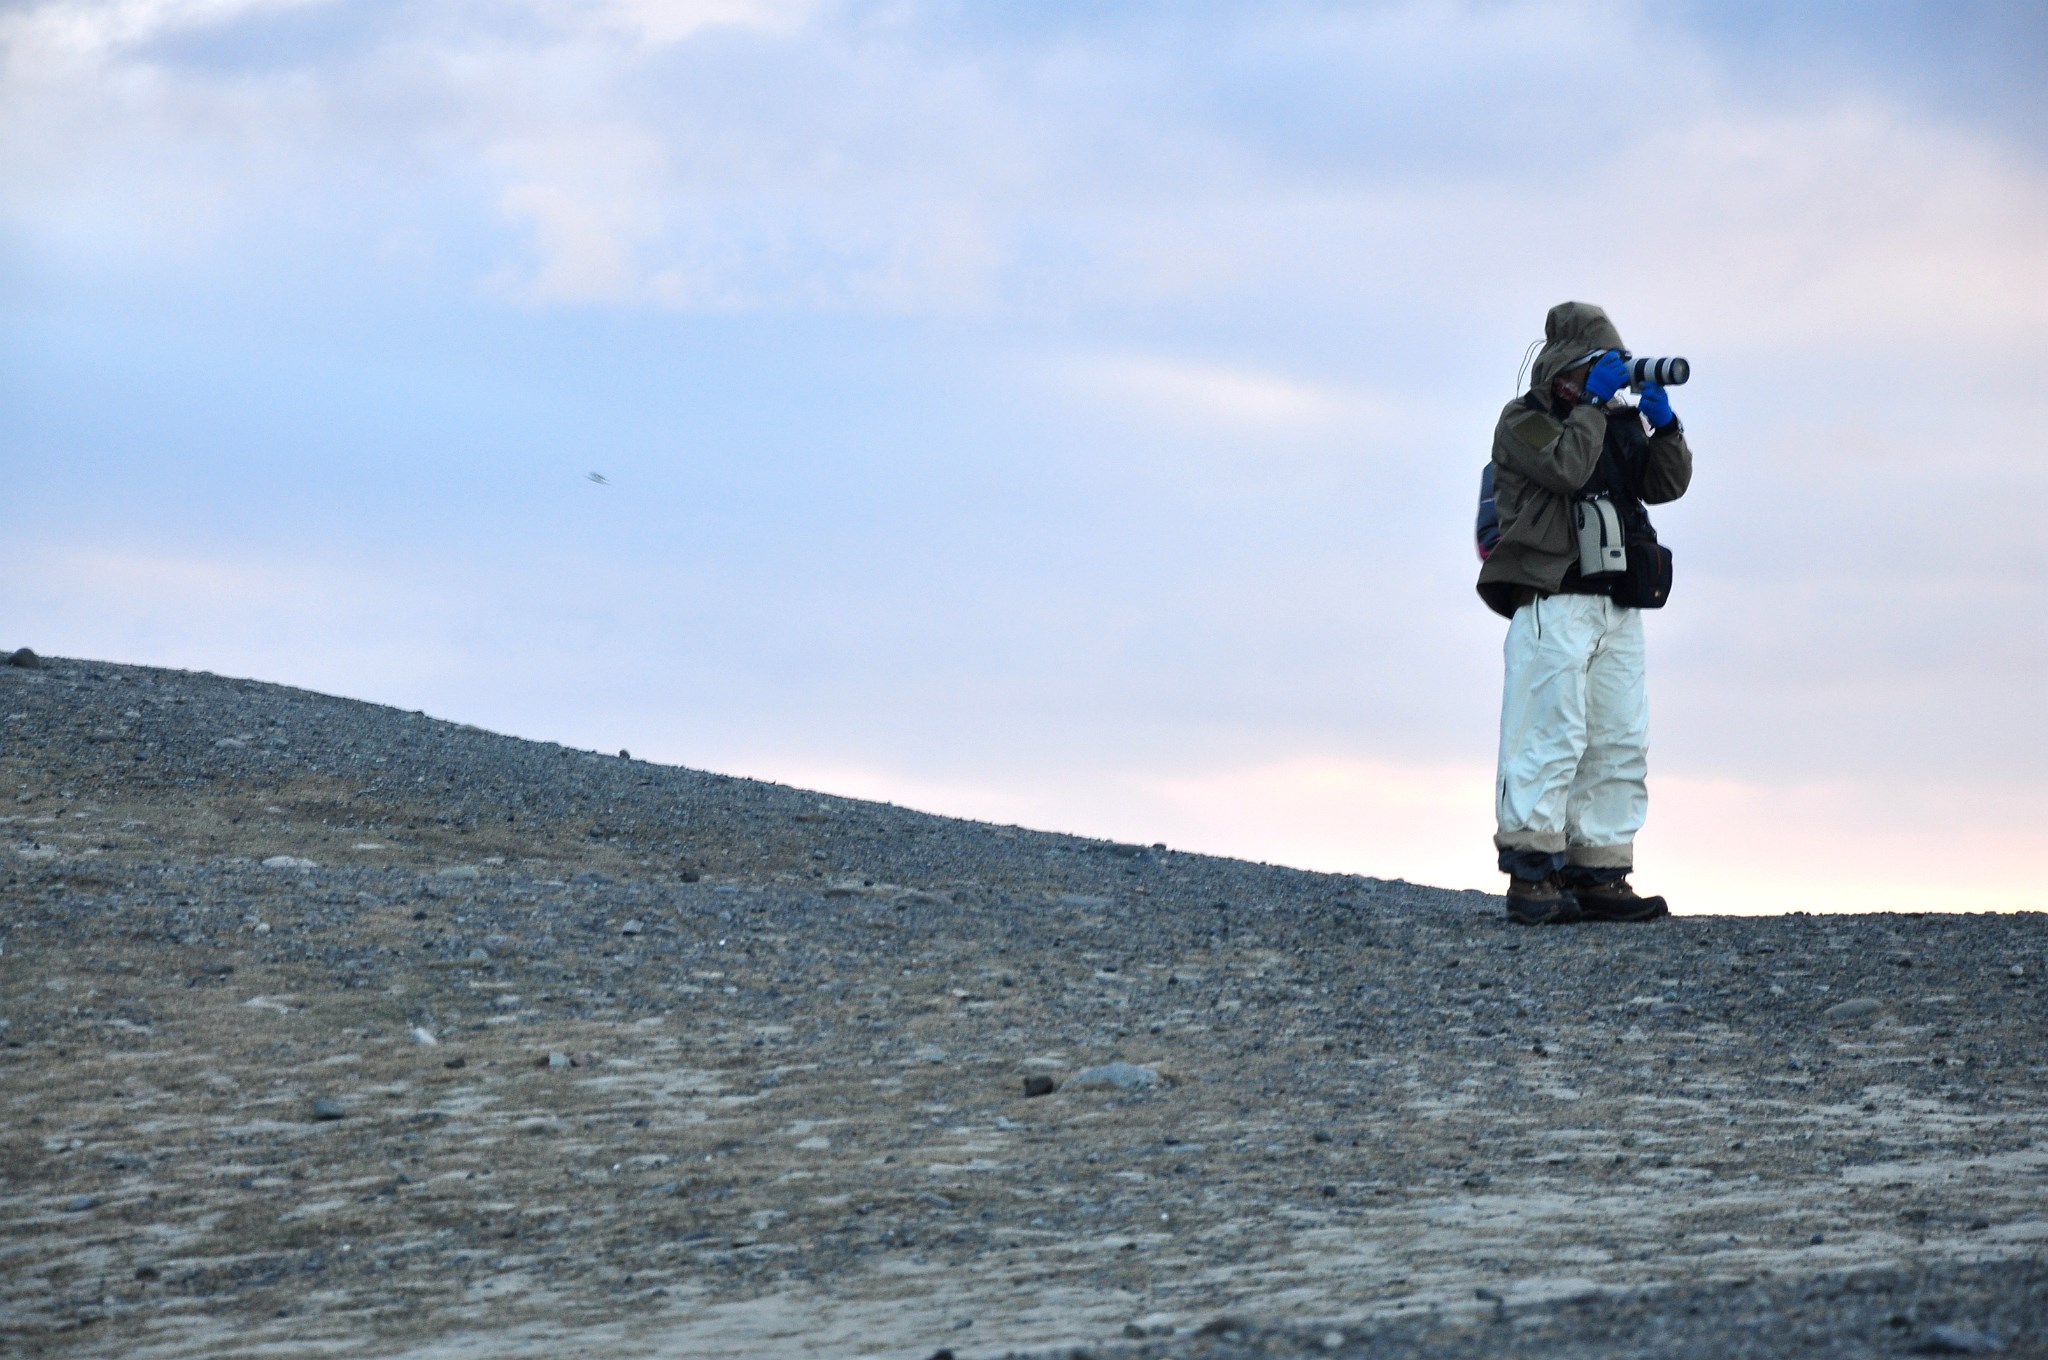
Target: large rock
1121, 1076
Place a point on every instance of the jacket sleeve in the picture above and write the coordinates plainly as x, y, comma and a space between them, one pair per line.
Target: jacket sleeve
1557, 456
1667, 466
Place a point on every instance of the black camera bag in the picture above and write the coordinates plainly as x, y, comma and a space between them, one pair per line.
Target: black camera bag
1646, 581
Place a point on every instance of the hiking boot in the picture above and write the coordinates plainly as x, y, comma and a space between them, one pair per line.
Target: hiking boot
1617, 901
1540, 902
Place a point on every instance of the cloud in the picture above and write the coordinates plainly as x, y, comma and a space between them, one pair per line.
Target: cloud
1195, 396
96, 28
671, 21
585, 194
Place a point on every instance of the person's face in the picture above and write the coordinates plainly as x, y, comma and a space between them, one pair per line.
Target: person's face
1570, 385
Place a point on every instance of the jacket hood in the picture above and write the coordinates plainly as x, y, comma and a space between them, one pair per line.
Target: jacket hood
1571, 331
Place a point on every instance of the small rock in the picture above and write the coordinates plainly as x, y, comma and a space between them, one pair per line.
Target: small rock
25, 659
1951, 1339
2018, 970
478, 956
146, 1272
1134, 1331
631, 928
456, 1062
460, 871
1856, 1010
231, 743
1333, 1341
1121, 1075
424, 1037
78, 1204
1083, 900
594, 880
624, 754
325, 1109
557, 1060
1039, 1085
288, 862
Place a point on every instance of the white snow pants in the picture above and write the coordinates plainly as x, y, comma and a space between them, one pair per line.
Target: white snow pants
1574, 732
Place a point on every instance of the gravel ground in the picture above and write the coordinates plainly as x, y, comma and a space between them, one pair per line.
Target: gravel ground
329, 1028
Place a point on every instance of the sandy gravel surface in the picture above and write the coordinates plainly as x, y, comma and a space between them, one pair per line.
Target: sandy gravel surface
331, 1029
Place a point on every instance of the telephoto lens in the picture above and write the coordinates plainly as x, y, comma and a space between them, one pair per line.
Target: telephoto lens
1663, 372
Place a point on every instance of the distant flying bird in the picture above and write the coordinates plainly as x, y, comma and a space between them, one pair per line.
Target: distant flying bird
599, 478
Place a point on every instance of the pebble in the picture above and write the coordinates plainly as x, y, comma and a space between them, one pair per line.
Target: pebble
1083, 900
289, 862
479, 956
631, 928
460, 871
230, 744
1121, 1075
595, 880
1854, 1010
557, 1060
424, 1037
1333, 1341
1951, 1339
78, 1204
325, 1109
1039, 1085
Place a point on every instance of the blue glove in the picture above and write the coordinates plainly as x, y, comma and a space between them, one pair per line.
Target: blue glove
1609, 376
1656, 406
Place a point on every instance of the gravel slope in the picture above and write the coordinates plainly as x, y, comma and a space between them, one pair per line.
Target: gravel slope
723, 1067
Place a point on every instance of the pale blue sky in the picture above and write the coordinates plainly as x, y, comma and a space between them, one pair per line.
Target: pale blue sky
1065, 413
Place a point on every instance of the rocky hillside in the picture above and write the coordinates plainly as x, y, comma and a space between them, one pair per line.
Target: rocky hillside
326, 1027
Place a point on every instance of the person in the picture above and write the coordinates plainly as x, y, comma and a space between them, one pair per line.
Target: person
1574, 725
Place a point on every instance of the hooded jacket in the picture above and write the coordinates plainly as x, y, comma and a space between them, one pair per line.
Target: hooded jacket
1541, 457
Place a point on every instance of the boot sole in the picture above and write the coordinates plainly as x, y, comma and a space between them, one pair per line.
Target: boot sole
1651, 910
1562, 914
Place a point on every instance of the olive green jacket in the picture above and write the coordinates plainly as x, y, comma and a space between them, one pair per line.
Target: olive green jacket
1539, 461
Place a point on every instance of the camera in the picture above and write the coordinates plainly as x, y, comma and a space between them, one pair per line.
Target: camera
1663, 372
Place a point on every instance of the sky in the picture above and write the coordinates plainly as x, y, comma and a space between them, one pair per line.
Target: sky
1055, 413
